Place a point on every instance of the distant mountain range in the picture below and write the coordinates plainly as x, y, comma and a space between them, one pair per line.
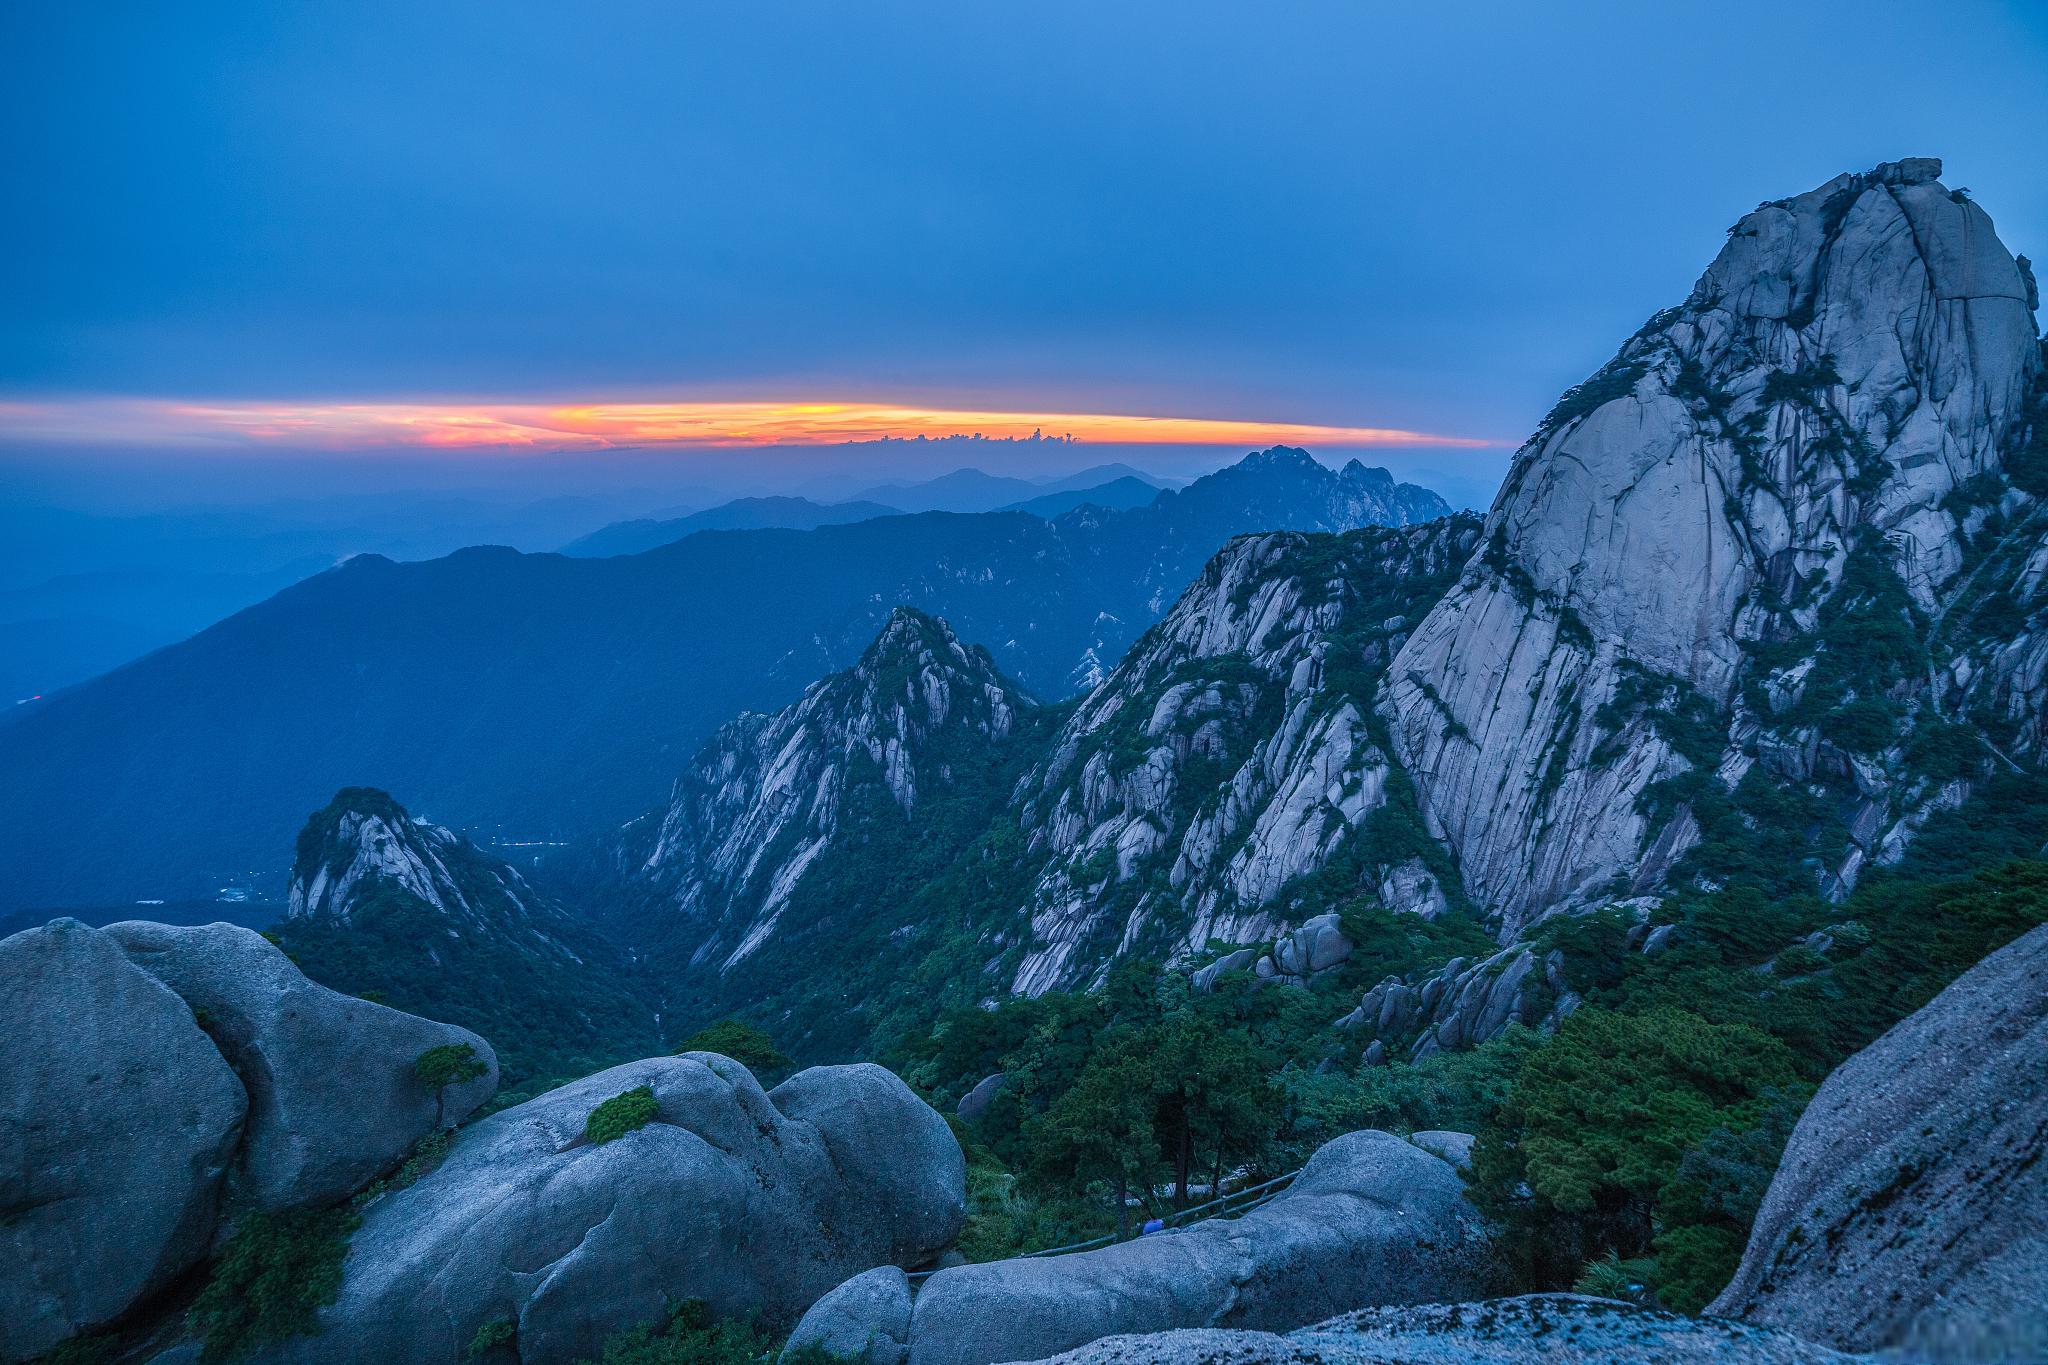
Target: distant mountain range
802, 514
1127, 491
741, 514
970, 490
543, 696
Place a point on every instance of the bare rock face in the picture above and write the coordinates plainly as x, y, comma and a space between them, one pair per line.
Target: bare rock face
763, 800
1540, 1329
1231, 753
1910, 1213
333, 1101
756, 1203
1820, 429
866, 1319
118, 1121
1371, 1219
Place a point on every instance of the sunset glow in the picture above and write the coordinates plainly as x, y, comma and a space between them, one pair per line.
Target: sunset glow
610, 425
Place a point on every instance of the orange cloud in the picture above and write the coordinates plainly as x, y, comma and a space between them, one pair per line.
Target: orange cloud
609, 425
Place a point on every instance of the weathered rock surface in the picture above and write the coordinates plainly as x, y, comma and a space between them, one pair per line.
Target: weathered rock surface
756, 1203
1910, 1212
975, 1102
1466, 1002
1822, 424
763, 800
389, 905
1541, 1329
1453, 1146
1232, 752
1372, 1219
332, 1099
866, 1319
118, 1119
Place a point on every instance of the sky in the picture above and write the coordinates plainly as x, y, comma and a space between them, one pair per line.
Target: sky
515, 228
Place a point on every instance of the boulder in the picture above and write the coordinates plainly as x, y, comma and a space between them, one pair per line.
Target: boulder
1371, 1219
1316, 946
866, 1319
1239, 960
1540, 1329
118, 1119
1909, 1214
333, 1101
756, 1203
1452, 1146
975, 1102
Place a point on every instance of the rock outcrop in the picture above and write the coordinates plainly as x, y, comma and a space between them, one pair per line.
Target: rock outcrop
169, 1080
387, 904
756, 1203
1233, 752
1720, 564
118, 1121
1371, 1219
1909, 1214
1540, 1329
766, 800
333, 1101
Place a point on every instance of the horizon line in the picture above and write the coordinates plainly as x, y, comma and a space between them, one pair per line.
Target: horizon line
597, 426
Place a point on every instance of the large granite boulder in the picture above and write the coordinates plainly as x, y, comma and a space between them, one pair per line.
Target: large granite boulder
1910, 1211
1371, 1219
755, 1203
1541, 1329
118, 1119
333, 1100
867, 1319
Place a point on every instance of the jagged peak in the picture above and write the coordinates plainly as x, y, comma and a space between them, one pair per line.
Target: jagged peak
912, 641
342, 820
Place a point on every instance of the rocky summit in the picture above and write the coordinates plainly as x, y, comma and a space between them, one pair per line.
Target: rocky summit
921, 715
416, 915
1755, 554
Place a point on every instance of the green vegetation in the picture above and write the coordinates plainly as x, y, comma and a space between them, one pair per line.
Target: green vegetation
1599, 1121
689, 1336
276, 1273
1650, 1126
449, 1064
620, 1115
498, 1332
752, 1048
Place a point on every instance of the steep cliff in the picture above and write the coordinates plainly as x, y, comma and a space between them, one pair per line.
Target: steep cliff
415, 915
1722, 619
894, 742
1232, 753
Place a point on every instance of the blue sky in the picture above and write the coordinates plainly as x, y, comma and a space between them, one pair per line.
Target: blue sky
1429, 217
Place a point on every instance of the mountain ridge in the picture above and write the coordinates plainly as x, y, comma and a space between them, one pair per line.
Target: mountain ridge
536, 697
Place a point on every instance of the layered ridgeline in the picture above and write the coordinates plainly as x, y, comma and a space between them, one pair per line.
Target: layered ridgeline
917, 832
415, 916
539, 696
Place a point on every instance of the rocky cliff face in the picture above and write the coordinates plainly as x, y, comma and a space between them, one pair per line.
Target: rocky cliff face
412, 913
770, 796
1729, 583
364, 851
1233, 752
